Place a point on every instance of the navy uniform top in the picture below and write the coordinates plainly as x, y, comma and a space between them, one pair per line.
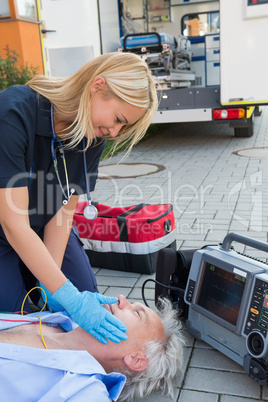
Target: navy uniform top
26, 160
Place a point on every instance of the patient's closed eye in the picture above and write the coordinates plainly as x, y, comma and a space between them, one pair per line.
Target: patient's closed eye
139, 312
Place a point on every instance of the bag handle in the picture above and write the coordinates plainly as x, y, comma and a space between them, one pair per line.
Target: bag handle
151, 220
134, 209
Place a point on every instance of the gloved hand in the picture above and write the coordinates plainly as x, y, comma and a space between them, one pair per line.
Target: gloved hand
55, 306
86, 310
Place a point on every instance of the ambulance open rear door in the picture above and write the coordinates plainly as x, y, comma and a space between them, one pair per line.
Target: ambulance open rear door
243, 53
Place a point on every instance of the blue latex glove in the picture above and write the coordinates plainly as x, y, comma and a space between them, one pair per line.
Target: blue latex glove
86, 310
55, 306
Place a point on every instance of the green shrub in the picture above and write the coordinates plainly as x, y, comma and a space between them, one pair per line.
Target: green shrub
11, 73
153, 130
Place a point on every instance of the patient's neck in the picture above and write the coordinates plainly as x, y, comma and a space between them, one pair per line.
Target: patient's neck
56, 338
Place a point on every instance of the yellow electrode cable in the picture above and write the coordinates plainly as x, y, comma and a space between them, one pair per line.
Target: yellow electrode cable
21, 311
40, 329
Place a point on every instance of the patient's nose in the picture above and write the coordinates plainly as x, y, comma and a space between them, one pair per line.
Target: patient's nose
123, 303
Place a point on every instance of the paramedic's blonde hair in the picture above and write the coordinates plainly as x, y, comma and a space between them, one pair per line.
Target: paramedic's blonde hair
164, 360
127, 77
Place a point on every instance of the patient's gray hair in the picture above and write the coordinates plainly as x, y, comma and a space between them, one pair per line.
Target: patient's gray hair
165, 359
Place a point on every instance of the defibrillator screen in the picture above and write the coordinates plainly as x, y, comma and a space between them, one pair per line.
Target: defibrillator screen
221, 292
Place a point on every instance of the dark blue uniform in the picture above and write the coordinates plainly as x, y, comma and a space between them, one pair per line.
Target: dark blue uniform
25, 160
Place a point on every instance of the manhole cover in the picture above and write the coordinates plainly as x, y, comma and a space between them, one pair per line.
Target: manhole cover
125, 170
259, 153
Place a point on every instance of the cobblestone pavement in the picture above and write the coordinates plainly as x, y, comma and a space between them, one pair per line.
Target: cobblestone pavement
213, 191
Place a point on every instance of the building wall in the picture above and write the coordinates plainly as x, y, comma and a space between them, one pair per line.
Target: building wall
23, 36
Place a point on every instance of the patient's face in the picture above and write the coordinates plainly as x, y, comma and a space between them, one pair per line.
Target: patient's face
143, 323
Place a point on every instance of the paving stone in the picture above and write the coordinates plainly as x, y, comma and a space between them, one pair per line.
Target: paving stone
221, 382
149, 294
102, 289
193, 396
186, 357
95, 270
196, 243
115, 273
189, 339
143, 278
216, 235
158, 397
265, 393
212, 359
115, 281
228, 398
116, 291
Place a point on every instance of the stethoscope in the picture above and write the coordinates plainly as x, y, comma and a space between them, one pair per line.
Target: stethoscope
90, 211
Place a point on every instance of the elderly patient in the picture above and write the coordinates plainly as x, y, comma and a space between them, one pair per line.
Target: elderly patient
76, 367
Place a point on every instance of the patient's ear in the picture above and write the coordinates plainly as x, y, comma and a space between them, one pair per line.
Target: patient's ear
136, 361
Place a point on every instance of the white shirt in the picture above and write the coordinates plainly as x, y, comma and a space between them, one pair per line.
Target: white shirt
30, 374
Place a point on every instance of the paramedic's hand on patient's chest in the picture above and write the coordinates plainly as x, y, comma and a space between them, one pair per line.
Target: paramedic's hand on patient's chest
87, 311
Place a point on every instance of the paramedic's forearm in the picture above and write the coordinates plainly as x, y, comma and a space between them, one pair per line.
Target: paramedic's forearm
35, 256
27, 244
57, 230
15, 223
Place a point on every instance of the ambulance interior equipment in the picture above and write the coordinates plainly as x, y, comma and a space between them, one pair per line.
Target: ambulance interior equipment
168, 57
227, 295
223, 45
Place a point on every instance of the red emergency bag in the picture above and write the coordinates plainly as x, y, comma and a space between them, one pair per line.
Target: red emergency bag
128, 238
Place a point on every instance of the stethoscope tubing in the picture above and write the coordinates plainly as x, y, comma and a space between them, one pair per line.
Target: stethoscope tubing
90, 211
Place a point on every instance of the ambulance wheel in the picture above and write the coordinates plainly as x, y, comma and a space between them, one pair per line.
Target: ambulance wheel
257, 111
245, 132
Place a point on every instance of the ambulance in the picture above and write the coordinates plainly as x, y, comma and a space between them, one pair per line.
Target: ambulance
214, 63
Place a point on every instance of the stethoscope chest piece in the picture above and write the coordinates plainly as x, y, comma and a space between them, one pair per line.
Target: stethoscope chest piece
90, 212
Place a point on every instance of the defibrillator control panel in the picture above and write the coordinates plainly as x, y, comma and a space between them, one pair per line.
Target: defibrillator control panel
190, 291
257, 319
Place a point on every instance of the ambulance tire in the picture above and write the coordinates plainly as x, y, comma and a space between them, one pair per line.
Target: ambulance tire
245, 132
257, 111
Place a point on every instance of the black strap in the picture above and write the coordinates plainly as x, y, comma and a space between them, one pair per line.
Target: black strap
134, 209
122, 221
170, 209
122, 225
